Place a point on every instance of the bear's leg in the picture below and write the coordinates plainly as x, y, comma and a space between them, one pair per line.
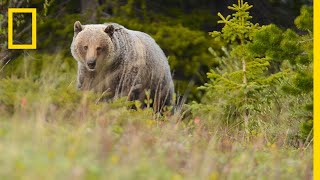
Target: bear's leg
80, 77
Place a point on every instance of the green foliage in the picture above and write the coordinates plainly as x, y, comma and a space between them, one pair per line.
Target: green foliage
244, 89
305, 20
3, 31
13, 91
39, 78
262, 69
238, 26
21, 25
282, 46
60, 34
50, 129
276, 44
307, 130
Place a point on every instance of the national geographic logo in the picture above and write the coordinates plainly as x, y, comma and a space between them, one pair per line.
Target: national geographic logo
33, 44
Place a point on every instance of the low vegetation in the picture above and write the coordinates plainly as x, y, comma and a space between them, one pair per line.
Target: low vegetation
252, 119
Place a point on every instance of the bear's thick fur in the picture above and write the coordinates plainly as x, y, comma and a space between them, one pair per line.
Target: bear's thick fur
120, 62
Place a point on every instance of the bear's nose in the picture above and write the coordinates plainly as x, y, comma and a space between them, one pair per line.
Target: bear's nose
91, 64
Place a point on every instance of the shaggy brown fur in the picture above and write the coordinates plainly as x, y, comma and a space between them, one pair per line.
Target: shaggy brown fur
121, 62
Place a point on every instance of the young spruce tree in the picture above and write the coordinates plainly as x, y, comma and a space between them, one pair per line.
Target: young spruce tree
297, 50
245, 88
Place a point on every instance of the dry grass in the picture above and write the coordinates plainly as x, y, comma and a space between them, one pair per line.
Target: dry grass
48, 130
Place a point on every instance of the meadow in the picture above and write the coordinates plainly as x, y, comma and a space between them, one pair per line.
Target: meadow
49, 130
244, 98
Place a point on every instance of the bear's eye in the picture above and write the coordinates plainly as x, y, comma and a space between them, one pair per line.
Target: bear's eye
85, 47
99, 48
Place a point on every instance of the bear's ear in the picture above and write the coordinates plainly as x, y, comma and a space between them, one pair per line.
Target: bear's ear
77, 27
109, 30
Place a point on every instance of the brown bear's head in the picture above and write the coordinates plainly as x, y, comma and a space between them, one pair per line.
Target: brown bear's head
92, 45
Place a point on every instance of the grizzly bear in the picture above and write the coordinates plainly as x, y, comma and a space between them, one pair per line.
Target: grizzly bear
120, 62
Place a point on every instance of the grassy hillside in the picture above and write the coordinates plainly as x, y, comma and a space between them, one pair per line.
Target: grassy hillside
245, 96
49, 130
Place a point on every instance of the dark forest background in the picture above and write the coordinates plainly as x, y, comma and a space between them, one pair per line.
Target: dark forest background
244, 93
180, 27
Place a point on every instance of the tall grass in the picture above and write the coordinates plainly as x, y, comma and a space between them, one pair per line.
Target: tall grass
49, 130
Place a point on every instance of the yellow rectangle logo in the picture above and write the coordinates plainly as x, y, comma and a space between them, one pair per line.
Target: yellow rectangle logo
33, 44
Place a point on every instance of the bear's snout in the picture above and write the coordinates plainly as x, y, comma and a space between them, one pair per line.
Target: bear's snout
91, 64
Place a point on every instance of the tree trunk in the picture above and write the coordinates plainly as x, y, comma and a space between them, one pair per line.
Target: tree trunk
246, 111
89, 8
